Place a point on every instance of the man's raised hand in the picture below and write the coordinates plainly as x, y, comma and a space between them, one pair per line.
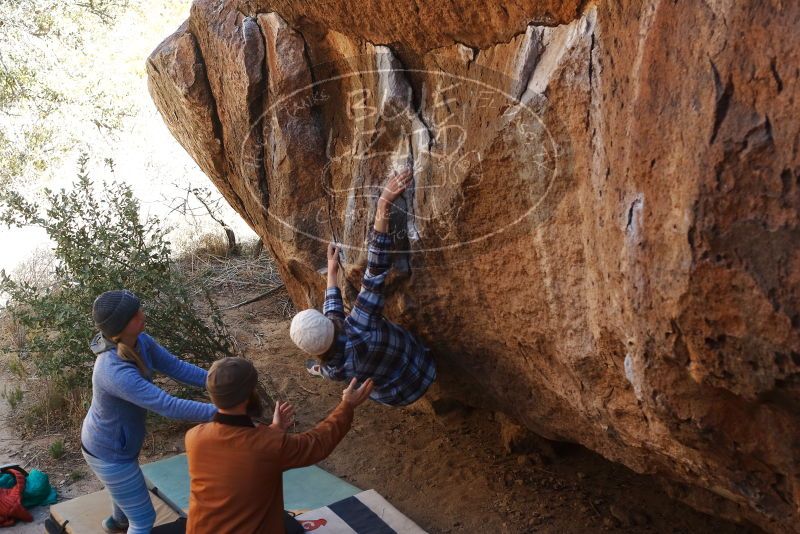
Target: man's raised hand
283, 417
355, 396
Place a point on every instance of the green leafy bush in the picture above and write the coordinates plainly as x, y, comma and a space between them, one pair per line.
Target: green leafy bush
101, 243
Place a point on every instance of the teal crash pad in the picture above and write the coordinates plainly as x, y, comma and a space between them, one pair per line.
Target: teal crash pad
305, 488
170, 478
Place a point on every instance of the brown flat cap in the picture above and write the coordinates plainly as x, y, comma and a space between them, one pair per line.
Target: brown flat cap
230, 381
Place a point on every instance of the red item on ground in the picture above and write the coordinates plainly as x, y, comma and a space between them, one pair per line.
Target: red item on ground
11, 508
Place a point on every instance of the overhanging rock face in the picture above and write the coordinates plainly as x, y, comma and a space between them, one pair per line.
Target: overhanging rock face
602, 237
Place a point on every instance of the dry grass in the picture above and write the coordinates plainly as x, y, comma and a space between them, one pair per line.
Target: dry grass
13, 335
244, 275
49, 407
38, 405
211, 245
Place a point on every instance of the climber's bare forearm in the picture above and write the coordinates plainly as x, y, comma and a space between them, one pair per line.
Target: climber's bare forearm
382, 215
333, 265
333, 271
391, 191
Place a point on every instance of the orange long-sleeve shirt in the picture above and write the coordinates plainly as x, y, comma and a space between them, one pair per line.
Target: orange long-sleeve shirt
236, 470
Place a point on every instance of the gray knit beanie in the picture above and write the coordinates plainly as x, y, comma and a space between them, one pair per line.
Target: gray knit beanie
113, 309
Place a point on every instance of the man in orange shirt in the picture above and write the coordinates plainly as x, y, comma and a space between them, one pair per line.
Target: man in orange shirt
236, 465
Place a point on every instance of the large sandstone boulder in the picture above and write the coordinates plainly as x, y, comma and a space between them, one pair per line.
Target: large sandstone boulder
602, 237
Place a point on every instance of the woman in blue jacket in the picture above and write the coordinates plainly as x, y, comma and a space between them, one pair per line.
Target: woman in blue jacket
122, 393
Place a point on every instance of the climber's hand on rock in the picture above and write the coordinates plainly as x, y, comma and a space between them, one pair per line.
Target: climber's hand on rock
396, 185
333, 256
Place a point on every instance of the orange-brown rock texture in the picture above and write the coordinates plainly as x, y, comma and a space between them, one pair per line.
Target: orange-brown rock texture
602, 236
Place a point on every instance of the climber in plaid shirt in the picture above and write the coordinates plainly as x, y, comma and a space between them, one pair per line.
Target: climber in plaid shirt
365, 344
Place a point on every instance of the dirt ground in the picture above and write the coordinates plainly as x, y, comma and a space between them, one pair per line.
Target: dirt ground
450, 473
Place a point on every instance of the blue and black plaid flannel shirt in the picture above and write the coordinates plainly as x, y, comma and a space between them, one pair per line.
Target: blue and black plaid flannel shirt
373, 347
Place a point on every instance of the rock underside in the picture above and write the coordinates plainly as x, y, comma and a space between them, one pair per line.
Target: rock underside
602, 236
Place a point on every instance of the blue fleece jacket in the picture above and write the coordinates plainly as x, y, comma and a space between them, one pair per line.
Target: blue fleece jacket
114, 428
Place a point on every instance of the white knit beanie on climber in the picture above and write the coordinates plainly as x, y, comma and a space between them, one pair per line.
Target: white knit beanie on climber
312, 332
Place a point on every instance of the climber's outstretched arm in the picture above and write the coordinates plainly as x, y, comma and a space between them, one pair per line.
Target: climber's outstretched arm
333, 307
368, 308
